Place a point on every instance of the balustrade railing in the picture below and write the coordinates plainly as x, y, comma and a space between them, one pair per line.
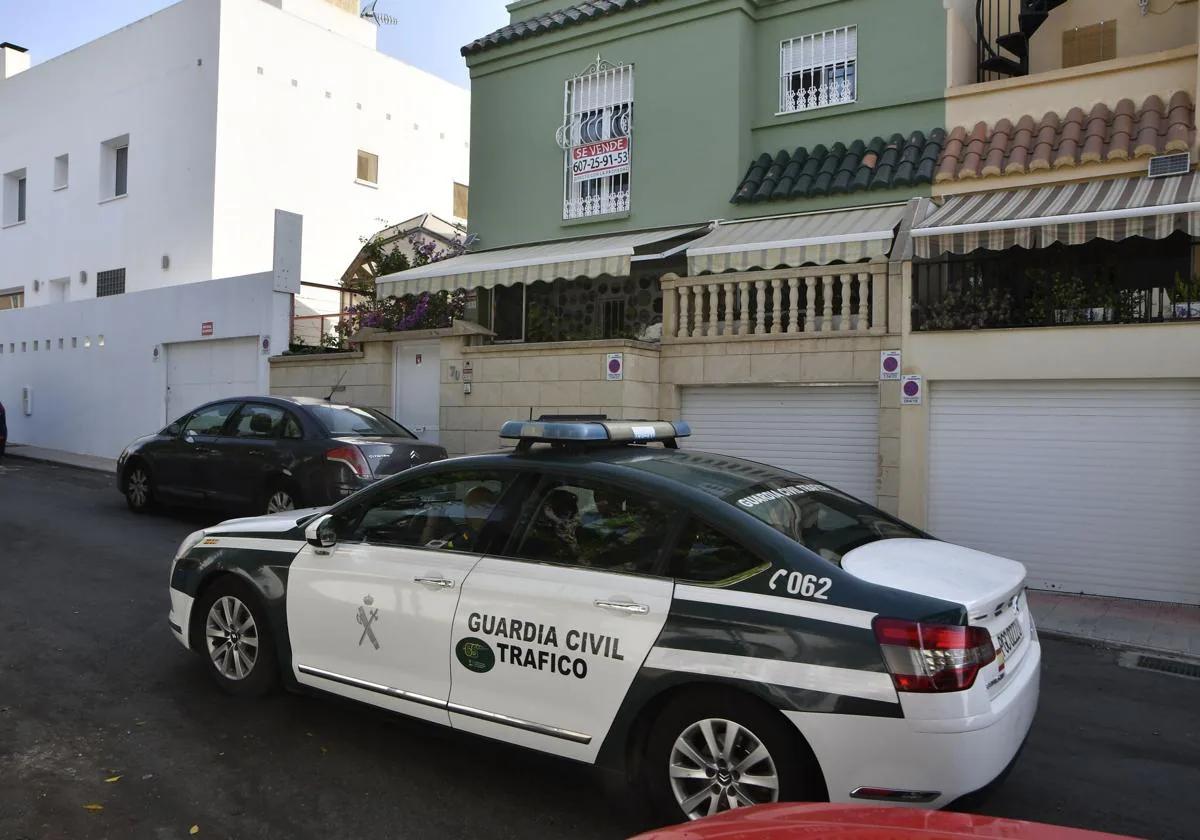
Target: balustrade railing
820, 301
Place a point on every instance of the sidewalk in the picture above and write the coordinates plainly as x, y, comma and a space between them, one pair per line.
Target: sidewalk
1145, 625
56, 456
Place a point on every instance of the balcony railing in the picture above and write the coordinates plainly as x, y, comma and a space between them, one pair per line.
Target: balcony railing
1129, 282
316, 330
822, 301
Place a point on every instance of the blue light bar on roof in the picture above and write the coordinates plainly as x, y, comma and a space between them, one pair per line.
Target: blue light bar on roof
597, 431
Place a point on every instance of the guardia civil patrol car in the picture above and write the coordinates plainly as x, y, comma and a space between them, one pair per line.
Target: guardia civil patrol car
724, 632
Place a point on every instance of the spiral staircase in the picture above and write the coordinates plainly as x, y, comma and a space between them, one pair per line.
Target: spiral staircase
1007, 54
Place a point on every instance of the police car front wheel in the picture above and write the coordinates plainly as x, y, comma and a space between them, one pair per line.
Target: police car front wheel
236, 641
714, 750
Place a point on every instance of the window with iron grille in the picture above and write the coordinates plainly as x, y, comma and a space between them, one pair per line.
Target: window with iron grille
596, 139
818, 70
110, 282
612, 318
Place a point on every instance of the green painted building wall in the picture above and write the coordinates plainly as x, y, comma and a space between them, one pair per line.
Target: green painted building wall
706, 92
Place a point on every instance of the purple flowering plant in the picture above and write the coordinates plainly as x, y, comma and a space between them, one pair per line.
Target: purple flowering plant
422, 311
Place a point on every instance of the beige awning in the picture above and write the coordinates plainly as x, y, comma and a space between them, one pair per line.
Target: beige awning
793, 241
1071, 214
564, 259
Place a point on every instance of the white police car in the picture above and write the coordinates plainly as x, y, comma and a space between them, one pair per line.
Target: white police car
725, 632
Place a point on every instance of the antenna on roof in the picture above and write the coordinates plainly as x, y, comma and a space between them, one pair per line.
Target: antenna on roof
378, 18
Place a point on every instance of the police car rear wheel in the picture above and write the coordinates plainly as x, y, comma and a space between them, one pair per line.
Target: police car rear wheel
714, 750
236, 640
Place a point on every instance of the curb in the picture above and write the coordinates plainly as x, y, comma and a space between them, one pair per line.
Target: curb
36, 459
1113, 644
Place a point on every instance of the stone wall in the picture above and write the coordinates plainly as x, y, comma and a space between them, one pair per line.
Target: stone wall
519, 381
366, 375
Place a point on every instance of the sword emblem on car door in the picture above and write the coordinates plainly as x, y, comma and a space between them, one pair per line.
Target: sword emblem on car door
366, 620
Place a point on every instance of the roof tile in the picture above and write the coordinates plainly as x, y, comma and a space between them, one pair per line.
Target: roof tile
878, 164
1101, 134
550, 21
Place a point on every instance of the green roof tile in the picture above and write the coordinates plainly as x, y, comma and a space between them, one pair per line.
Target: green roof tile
875, 164
570, 15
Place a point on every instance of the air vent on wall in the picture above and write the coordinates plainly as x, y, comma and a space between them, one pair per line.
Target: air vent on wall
1164, 166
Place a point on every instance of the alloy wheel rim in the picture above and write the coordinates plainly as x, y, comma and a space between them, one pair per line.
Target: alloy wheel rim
718, 765
232, 638
138, 487
281, 500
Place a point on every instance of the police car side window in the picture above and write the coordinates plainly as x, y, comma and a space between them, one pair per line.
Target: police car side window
443, 511
704, 555
595, 526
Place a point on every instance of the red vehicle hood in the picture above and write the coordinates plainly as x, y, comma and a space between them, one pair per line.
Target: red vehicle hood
795, 821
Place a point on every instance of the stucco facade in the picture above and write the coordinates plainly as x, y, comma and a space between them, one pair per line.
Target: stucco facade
706, 80
228, 110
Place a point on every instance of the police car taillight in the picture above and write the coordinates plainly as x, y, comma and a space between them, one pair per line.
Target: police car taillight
352, 457
927, 658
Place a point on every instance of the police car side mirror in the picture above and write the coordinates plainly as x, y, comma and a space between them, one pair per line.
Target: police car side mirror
321, 534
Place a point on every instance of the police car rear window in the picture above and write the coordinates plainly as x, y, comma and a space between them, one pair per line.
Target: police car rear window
822, 519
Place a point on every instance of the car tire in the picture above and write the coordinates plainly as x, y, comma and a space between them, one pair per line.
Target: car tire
279, 493
234, 639
139, 488
672, 779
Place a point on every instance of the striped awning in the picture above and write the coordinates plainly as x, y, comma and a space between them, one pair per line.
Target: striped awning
1071, 214
565, 259
792, 241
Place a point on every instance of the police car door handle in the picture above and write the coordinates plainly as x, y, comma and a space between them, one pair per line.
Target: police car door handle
432, 581
623, 606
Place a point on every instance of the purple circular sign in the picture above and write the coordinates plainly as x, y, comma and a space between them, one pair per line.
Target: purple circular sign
890, 364
614, 365
911, 388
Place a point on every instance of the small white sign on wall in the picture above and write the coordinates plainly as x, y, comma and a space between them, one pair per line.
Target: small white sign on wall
889, 364
614, 366
911, 388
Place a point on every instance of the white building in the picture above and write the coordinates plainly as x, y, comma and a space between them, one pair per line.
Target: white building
141, 166
157, 154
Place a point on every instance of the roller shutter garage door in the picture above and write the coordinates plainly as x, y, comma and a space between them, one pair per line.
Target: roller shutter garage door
200, 371
829, 433
1092, 485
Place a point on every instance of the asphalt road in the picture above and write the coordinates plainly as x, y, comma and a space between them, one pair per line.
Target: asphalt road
93, 686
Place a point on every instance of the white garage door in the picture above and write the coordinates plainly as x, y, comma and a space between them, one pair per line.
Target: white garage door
829, 433
199, 371
1092, 485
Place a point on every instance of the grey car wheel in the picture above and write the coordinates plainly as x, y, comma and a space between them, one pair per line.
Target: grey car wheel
139, 489
279, 497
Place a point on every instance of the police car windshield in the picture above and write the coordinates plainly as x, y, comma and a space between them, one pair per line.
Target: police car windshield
346, 420
822, 519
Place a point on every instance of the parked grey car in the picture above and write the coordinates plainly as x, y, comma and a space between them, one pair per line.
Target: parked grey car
267, 454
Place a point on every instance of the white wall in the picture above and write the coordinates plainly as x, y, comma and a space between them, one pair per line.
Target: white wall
332, 15
95, 399
215, 147
293, 147
155, 80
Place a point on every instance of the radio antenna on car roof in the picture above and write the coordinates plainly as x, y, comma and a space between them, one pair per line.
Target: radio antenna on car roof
337, 386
